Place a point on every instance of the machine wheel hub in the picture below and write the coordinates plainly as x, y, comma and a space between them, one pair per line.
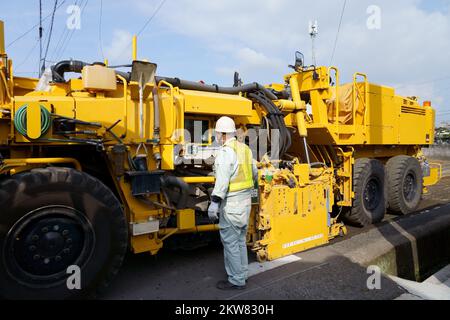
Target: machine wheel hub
409, 186
372, 194
41, 245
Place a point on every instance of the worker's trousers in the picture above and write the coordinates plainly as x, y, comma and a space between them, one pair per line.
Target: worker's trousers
234, 218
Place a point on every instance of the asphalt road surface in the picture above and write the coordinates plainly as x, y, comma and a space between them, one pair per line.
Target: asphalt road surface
182, 274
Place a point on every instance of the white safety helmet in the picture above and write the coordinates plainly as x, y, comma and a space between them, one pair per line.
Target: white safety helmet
225, 125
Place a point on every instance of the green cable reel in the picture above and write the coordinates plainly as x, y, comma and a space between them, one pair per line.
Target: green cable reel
20, 120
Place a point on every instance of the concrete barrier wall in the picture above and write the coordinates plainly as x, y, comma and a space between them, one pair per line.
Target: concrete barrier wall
438, 152
412, 247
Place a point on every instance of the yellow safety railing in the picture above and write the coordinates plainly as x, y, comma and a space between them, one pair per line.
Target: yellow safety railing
125, 104
172, 102
336, 75
357, 93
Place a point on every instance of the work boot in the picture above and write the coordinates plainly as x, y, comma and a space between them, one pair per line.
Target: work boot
225, 285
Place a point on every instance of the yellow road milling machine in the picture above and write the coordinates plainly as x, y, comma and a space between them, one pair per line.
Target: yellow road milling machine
111, 160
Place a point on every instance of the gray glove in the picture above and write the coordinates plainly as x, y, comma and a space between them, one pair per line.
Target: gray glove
213, 211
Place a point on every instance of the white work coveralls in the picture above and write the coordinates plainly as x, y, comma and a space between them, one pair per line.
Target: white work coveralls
234, 214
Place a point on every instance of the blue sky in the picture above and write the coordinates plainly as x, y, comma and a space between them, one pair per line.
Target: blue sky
209, 40
434, 5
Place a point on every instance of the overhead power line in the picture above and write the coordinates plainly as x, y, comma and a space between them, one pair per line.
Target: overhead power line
338, 31
149, 20
32, 28
27, 56
100, 41
40, 35
424, 82
70, 34
49, 35
62, 38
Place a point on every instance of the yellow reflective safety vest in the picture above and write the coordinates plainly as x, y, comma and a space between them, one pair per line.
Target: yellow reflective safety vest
243, 180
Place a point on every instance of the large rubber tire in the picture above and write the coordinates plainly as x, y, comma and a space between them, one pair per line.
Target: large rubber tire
54, 218
369, 205
405, 184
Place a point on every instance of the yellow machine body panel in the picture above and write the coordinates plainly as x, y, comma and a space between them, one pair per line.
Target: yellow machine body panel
34, 125
297, 220
132, 134
362, 113
213, 104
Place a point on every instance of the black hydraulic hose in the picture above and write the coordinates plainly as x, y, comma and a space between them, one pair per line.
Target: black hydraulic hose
191, 85
333, 154
279, 119
77, 66
285, 95
64, 66
255, 91
59, 69
276, 120
271, 114
285, 134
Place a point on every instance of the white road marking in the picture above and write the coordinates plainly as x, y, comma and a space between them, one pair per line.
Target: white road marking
255, 268
434, 288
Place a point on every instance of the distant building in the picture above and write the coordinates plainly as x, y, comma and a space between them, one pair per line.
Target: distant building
443, 135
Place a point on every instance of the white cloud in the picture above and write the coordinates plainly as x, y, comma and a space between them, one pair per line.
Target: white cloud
276, 28
225, 71
249, 63
410, 90
120, 47
259, 38
249, 56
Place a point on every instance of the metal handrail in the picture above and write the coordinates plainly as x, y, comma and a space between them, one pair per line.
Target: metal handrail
336, 72
172, 99
125, 103
356, 93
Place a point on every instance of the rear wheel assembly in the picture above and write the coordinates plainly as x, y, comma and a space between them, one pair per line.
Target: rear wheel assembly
53, 219
369, 205
405, 184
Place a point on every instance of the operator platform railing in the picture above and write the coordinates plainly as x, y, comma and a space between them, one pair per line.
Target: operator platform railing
356, 93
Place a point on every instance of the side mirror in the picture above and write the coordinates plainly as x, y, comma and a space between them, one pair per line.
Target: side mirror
299, 59
237, 80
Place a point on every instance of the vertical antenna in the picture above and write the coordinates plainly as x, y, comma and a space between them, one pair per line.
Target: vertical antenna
40, 37
313, 32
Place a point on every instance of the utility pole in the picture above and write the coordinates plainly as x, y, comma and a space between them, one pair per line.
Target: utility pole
313, 32
40, 37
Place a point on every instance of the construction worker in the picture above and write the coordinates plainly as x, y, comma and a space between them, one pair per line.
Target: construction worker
235, 172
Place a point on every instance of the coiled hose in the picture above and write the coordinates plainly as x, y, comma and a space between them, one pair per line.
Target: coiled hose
20, 120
